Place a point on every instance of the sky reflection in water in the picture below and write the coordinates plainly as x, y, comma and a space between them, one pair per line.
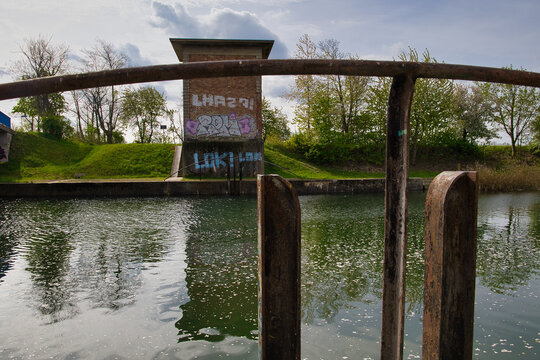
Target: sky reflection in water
176, 278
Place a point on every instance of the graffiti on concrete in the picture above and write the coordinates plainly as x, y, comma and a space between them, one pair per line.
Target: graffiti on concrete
217, 160
221, 126
206, 100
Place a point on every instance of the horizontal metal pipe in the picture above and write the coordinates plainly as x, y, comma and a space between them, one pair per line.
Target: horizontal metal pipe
264, 67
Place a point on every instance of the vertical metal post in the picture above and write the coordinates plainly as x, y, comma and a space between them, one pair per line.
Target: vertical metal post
395, 223
279, 269
450, 265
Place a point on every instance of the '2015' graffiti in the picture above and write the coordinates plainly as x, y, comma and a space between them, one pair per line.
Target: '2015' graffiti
216, 160
221, 126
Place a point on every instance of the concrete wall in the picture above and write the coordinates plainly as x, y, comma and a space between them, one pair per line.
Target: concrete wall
116, 189
5, 140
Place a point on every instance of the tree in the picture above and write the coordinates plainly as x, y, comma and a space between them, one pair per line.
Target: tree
99, 108
334, 103
432, 106
377, 108
305, 86
41, 58
142, 108
27, 107
515, 108
431, 110
472, 113
349, 91
274, 122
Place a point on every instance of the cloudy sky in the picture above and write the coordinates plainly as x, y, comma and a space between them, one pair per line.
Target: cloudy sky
476, 32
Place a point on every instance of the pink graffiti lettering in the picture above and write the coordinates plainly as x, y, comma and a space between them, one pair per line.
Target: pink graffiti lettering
244, 126
192, 126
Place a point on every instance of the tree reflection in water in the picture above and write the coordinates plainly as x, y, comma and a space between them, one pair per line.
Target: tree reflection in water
85, 250
221, 273
508, 250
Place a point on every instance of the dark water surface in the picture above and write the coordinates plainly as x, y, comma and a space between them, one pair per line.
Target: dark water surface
177, 278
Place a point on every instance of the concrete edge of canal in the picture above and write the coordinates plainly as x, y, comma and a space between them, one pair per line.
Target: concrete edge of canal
134, 188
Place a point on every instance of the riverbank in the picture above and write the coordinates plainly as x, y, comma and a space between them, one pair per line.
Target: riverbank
150, 188
35, 158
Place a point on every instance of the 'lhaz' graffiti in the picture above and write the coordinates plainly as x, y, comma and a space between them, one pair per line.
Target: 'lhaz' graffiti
206, 100
221, 126
217, 160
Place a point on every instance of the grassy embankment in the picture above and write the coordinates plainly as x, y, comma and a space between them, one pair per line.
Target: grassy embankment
34, 158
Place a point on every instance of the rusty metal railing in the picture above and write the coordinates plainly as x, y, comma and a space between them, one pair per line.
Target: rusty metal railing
450, 211
264, 67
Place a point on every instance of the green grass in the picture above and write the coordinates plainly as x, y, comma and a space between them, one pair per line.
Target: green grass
35, 157
291, 165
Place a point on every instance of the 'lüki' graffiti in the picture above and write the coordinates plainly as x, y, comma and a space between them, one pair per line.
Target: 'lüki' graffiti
221, 126
217, 160
206, 100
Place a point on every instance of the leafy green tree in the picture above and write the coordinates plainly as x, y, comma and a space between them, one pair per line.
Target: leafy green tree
141, 108
472, 114
274, 122
432, 106
349, 92
27, 107
515, 108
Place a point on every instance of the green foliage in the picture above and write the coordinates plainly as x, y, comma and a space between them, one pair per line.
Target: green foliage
32, 108
331, 102
56, 127
432, 106
300, 143
274, 123
142, 108
472, 114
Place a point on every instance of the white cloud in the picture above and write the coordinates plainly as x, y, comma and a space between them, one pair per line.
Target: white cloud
219, 23
134, 55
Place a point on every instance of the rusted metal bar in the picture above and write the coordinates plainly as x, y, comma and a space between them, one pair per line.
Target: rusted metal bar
279, 269
264, 67
450, 263
395, 223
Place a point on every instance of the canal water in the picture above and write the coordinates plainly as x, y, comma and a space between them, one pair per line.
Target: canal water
177, 278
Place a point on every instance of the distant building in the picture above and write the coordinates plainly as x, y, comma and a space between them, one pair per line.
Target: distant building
5, 137
5, 120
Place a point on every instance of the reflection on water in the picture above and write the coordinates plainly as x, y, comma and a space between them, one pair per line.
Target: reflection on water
176, 278
221, 272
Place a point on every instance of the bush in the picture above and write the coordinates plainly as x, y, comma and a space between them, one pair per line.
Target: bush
300, 143
56, 127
